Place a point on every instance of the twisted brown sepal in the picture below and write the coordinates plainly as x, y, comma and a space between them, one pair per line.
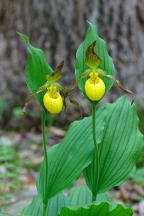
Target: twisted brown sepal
56, 75
118, 83
83, 75
102, 73
75, 102
66, 94
92, 59
29, 98
51, 80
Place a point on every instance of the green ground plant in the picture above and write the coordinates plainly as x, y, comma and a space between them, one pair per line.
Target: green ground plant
9, 172
103, 147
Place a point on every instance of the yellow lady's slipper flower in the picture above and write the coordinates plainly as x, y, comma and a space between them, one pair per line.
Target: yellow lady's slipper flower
52, 100
94, 87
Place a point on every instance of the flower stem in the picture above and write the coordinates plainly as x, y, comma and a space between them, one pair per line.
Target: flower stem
96, 150
44, 209
45, 201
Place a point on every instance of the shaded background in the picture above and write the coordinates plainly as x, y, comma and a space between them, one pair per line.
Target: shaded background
58, 27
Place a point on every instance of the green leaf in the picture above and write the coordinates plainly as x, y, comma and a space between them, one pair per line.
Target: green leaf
36, 207
77, 197
36, 69
100, 50
67, 160
119, 141
82, 195
138, 176
11, 215
119, 148
24, 37
102, 209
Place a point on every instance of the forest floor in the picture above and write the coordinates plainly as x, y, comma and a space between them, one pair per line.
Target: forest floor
25, 152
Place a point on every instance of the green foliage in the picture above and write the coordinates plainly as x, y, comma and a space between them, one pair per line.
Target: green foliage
101, 51
75, 150
9, 177
77, 197
50, 119
104, 146
140, 110
3, 106
79, 202
138, 176
36, 69
17, 111
10, 215
36, 207
120, 147
66, 160
103, 209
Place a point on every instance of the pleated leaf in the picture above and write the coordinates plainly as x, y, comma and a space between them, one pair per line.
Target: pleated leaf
119, 141
119, 149
36, 207
36, 69
81, 195
67, 160
77, 197
100, 50
103, 209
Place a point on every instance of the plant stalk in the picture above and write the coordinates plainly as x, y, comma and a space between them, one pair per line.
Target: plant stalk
96, 150
45, 202
44, 209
